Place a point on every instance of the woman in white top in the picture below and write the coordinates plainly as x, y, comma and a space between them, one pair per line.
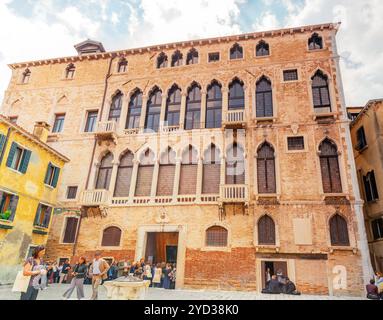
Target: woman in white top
157, 276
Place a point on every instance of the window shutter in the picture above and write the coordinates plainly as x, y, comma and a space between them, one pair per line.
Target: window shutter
70, 230
11, 154
25, 161
13, 207
55, 177
373, 186
48, 173
3, 138
37, 217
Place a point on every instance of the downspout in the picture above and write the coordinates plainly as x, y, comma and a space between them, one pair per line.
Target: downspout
362, 244
5, 144
93, 152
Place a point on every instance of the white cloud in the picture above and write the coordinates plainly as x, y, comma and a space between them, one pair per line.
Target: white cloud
266, 21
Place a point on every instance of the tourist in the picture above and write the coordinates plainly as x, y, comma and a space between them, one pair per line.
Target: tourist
64, 271
44, 277
112, 272
163, 267
132, 268
274, 286
173, 276
88, 277
52, 278
372, 290
268, 276
79, 273
34, 267
125, 268
138, 272
142, 263
167, 281
98, 272
290, 288
157, 276
148, 272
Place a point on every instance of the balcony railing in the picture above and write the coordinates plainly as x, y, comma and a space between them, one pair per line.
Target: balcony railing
107, 127
169, 129
234, 193
95, 198
235, 117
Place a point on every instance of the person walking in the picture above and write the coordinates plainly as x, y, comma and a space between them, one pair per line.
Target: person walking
34, 267
157, 276
98, 271
79, 272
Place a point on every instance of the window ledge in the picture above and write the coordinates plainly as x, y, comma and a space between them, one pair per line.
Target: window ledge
325, 115
111, 248
40, 230
221, 249
6, 224
262, 57
332, 249
265, 119
267, 195
362, 149
337, 195
263, 248
316, 50
15, 171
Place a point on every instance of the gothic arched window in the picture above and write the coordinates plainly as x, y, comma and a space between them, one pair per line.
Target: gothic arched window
266, 231
315, 42
320, 91
266, 169
330, 167
264, 105
105, 172
124, 175
116, 106
173, 106
192, 57
214, 106
236, 95
262, 49
236, 52
193, 108
134, 111
111, 237
153, 111
339, 231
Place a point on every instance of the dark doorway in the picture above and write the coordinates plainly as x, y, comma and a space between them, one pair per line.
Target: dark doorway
161, 247
272, 268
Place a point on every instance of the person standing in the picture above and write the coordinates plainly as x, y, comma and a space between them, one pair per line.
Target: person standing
98, 271
34, 267
173, 277
157, 276
148, 272
64, 271
167, 271
79, 273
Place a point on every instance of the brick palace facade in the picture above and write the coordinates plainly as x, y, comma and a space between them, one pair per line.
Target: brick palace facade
228, 155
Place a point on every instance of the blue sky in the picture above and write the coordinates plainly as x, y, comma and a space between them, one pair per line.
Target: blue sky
49, 28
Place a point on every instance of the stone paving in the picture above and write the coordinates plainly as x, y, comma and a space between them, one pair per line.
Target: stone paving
55, 291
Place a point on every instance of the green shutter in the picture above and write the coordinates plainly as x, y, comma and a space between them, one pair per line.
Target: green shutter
56, 177
48, 173
25, 161
3, 138
37, 217
47, 217
13, 207
11, 154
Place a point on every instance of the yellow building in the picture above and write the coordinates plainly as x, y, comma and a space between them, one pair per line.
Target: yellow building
29, 175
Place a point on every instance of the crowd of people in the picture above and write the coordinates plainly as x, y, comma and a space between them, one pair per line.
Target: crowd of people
278, 283
95, 273
375, 287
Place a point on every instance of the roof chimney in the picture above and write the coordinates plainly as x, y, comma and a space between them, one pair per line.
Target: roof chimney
41, 130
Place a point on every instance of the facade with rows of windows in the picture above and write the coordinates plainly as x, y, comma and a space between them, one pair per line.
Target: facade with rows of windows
368, 151
229, 156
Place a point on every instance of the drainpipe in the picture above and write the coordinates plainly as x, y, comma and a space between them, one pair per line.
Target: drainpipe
5, 144
93, 152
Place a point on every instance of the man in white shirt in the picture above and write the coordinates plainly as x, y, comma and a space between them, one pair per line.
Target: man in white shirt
98, 271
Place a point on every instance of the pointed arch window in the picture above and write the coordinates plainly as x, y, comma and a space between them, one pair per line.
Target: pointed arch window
166, 173
236, 95
339, 231
188, 176
134, 111
320, 92
173, 107
264, 105
122, 65
216, 236
211, 170
162, 61
152, 121
236, 52
177, 59
266, 231
26, 76
315, 42
193, 108
105, 172
262, 49
70, 71
330, 167
214, 106
266, 169
124, 175
145, 174
111, 237
192, 57
235, 165
116, 106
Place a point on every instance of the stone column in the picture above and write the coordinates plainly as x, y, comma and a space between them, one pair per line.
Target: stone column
124, 115
223, 171
247, 106
94, 174
177, 175
133, 182
203, 109
113, 179
163, 112
156, 169
143, 112
199, 178
183, 110
225, 104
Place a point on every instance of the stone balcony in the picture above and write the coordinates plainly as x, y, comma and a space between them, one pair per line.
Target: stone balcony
93, 198
234, 193
234, 119
106, 130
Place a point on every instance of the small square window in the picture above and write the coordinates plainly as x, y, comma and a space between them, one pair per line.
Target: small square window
295, 143
59, 123
361, 139
13, 119
214, 56
72, 193
91, 121
290, 75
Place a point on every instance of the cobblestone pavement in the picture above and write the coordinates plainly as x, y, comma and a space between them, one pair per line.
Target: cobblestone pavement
54, 292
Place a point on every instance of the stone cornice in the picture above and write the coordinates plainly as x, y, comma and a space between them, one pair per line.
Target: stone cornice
181, 44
